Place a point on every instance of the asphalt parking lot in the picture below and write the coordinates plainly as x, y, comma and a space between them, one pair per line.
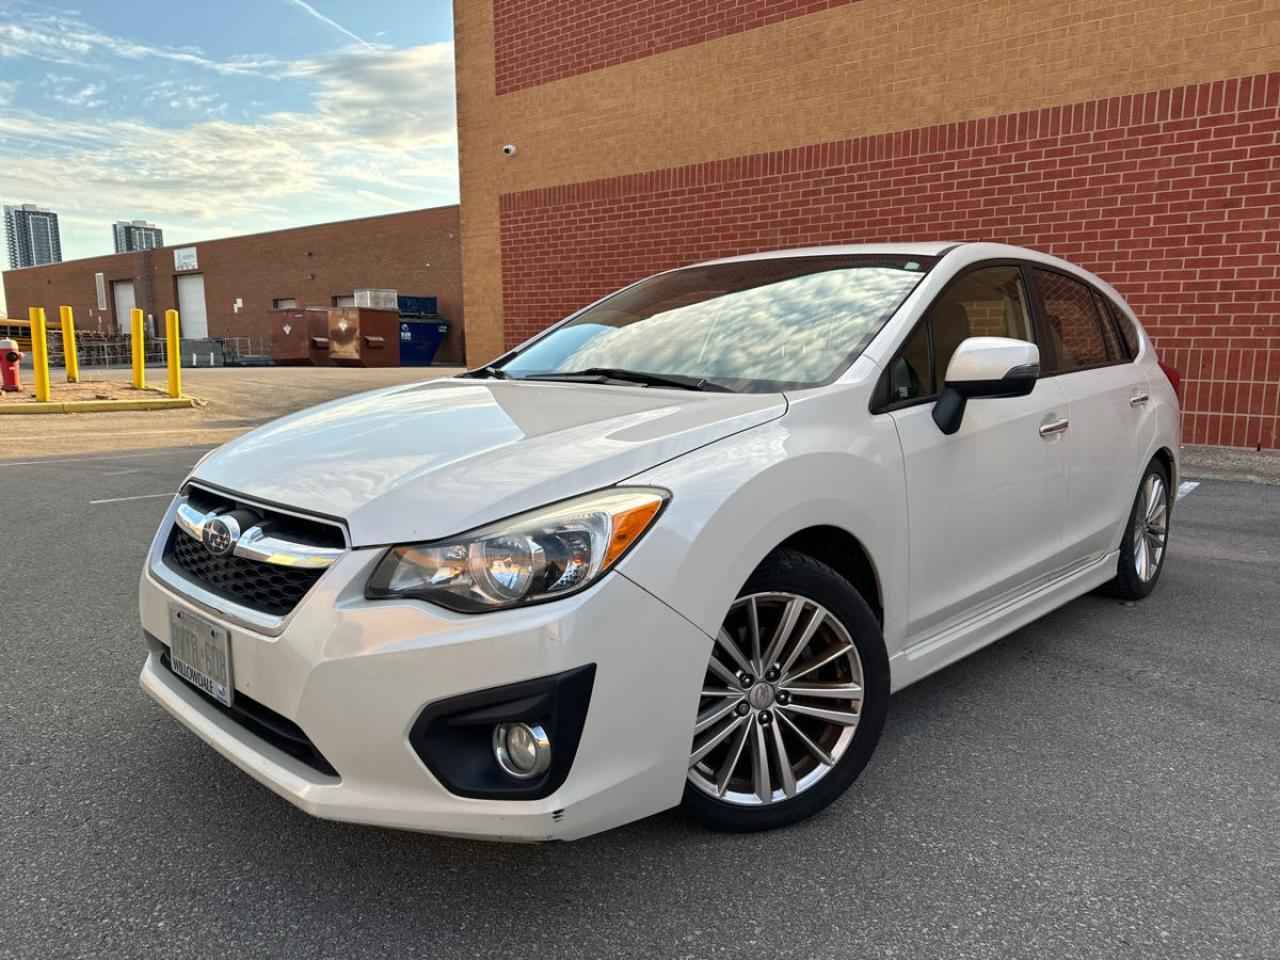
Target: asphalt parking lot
230, 400
1104, 783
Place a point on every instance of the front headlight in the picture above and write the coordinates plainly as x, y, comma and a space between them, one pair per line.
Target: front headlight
541, 555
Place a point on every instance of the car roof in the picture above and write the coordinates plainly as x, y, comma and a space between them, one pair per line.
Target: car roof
967, 251
931, 249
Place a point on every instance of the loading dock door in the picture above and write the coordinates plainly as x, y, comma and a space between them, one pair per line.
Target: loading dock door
195, 322
122, 292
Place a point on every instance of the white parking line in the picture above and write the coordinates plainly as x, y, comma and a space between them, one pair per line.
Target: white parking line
1186, 486
134, 455
38, 463
141, 496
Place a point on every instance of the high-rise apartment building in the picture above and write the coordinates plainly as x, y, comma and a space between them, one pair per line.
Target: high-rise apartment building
32, 236
131, 235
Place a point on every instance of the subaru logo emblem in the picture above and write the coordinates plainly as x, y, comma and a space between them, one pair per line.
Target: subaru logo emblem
760, 696
220, 535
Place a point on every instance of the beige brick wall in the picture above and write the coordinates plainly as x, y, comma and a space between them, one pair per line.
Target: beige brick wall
872, 66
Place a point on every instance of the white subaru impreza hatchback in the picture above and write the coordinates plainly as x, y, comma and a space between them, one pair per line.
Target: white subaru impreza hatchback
676, 550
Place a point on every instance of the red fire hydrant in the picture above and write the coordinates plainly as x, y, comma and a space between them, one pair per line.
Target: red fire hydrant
10, 365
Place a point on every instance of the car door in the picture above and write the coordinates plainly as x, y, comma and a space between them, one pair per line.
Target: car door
1112, 422
985, 505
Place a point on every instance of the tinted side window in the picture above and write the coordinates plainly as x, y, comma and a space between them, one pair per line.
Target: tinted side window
1115, 351
988, 302
1073, 321
1128, 332
984, 303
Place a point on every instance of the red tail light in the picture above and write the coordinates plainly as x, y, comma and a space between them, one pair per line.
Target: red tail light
1175, 378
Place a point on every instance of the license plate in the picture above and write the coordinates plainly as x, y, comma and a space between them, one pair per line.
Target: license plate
201, 654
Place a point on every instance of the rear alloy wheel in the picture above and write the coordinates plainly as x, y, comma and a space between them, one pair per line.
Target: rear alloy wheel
792, 702
1143, 548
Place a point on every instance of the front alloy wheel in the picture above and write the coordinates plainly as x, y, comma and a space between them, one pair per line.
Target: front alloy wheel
771, 724
790, 708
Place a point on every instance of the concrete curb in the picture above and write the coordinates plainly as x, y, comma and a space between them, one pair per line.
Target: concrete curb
97, 406
1230, 463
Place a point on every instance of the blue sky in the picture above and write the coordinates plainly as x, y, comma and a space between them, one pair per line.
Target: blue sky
217, 118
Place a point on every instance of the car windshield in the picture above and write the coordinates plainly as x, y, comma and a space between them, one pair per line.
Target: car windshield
752, 325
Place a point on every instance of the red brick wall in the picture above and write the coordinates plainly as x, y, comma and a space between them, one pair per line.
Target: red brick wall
536, 41
416, 252
1173, 196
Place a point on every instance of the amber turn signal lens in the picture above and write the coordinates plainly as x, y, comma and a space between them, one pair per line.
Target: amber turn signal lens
627, 527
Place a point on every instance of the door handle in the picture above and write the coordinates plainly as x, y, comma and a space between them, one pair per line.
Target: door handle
1138, 399
1051, 427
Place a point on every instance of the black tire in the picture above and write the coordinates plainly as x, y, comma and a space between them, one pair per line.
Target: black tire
787, 571
1129, 584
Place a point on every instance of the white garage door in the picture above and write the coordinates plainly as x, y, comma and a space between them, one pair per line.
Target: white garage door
195, 322
122, 292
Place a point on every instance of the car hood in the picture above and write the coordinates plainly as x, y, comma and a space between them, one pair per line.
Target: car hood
430, 460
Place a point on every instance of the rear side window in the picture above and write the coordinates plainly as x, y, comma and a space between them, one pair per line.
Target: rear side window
1074, 324
1128, 332
1115, 350
987, 302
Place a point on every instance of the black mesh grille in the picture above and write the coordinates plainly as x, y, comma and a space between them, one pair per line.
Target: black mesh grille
265, 587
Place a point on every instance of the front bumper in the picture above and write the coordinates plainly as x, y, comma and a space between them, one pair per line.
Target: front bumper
355, 674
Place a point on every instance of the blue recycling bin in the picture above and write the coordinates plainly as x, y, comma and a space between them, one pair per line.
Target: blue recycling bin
419, 341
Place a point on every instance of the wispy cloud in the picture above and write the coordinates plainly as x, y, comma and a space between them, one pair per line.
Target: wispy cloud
382, 200
313, 12
379, 134
54, 37
402, 99
186, 96
88, 96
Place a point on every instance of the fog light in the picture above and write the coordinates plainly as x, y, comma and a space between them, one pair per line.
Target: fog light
522, 749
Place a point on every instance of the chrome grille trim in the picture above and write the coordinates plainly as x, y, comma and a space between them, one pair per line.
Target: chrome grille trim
255, 543
190, 519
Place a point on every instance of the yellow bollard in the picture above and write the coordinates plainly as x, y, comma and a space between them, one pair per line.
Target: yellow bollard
173, 336
40, 351
69, 344
139, 350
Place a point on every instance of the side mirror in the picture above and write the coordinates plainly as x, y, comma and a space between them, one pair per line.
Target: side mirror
985, 367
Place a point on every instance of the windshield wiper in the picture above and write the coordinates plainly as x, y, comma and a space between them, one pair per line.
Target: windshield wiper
604, 374
491, 372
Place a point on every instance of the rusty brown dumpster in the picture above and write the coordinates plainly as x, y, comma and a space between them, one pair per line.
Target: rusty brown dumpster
360, 337
300, 337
